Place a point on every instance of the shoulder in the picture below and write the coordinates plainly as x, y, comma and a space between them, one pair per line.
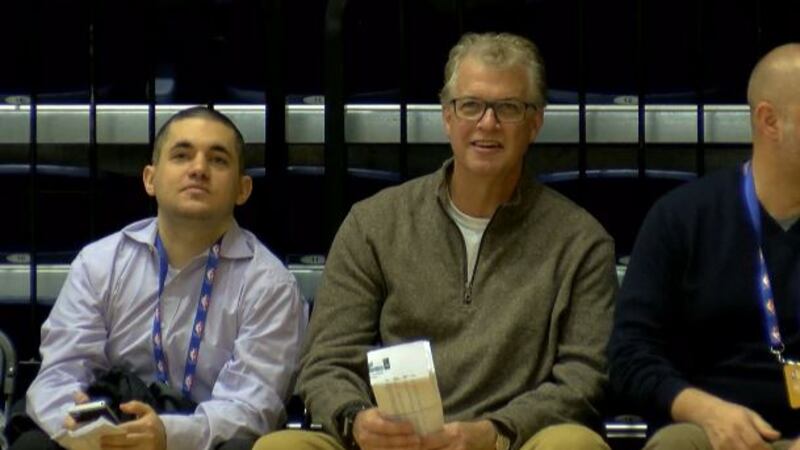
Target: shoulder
263, 264
403, 196
106, 250
552, 210
713, 194
396, 204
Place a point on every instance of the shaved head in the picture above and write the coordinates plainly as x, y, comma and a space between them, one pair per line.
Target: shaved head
776, 78
774, 97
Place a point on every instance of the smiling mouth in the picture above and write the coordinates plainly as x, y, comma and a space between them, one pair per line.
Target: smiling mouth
193, 189
486, 144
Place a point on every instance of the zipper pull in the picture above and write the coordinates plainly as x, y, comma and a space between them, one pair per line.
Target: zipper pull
468, 295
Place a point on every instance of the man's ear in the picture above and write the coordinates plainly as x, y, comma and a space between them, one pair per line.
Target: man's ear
447, 117
767, 121
538, 122
147, 177
245, 189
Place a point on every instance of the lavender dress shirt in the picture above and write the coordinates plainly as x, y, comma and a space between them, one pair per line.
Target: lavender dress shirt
103, 317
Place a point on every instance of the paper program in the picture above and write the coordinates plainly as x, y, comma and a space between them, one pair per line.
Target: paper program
404, 382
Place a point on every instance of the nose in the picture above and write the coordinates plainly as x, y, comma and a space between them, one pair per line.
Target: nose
488, 119
199, 166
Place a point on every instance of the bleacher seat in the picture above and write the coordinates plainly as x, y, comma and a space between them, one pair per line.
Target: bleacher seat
303, 219
8, 364
62, 197
49, 53
618, 198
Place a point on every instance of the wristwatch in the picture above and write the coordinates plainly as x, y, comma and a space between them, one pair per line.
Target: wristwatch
345, 421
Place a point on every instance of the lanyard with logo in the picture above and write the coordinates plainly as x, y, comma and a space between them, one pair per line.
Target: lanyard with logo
791, 369
199, 320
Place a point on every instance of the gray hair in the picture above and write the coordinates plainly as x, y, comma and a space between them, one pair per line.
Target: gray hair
499, 50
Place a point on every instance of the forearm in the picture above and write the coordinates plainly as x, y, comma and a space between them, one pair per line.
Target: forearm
643, 360
73, 349
640, 371
214, 422
549, 404
326, 394
189, 432
344, 326
47, 403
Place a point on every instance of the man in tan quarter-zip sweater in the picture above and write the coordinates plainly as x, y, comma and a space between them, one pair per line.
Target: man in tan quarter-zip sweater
511, 283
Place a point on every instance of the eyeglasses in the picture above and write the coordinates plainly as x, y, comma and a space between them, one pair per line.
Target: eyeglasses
506, 111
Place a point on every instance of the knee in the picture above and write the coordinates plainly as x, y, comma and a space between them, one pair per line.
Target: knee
279, 439
297, 440
566, 437
681, 435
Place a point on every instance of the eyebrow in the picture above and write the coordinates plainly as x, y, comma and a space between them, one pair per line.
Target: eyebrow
220, 149
215, 147
504, 99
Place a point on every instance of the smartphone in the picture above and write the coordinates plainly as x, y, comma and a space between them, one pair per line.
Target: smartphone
89, 411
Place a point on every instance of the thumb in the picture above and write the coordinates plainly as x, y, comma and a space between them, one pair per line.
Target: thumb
764, 428
79, 397
136, 408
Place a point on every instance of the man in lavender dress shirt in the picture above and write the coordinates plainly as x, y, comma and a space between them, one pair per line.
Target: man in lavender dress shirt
105, 315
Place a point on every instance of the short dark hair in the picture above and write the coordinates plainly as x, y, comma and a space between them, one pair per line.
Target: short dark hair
199, 112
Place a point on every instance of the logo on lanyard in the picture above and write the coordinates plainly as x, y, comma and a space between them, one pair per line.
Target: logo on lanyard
198, 327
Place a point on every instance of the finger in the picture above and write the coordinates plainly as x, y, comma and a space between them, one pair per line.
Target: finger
726, 441
69, 423
136, 408
118, 441
80, 397
127, 441
112, 439
374, 441
764, 428
435, 440
136, 426
380, 425
120, 446
375, 423
750, 439
411, 447
434, 444
434, 447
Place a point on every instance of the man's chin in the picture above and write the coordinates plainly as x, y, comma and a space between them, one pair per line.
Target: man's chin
195, 214
483, 166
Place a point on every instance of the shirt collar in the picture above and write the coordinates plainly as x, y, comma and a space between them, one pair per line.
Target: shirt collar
235, 244
527, 188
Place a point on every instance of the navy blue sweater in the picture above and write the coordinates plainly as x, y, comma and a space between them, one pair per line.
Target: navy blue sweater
688, 313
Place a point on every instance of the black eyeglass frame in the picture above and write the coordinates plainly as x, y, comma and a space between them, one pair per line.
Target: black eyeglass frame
491, 104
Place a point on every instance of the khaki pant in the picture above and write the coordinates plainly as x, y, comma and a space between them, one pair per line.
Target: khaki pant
556, 437
688, 436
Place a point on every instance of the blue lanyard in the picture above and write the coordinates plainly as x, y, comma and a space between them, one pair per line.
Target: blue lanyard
763, 285
199, 319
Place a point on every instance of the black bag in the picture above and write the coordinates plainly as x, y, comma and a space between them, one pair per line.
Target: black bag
119, 386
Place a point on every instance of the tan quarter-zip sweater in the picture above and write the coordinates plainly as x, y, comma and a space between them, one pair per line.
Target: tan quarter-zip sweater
522, 344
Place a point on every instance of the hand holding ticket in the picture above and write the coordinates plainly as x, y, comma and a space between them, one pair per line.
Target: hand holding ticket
404, 382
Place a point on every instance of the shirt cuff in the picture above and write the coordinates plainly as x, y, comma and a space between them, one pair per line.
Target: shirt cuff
184, 432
